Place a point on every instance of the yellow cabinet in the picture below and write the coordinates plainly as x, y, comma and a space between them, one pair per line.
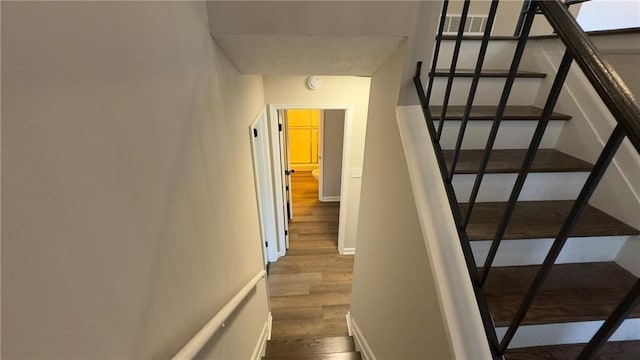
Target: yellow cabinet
303, 128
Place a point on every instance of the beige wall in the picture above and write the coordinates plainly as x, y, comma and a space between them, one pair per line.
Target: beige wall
394, 302
123, 233
333, 134
335, 91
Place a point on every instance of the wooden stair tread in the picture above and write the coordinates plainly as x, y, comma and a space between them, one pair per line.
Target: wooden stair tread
571, 293
490, 73
479, 37
619, 350
334, 356
510, 161
541, 219
482, 112
310, 345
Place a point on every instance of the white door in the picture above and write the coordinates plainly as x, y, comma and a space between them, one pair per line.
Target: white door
259, 133
279, 185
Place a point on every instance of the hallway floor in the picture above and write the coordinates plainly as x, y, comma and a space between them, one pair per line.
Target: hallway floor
310, 287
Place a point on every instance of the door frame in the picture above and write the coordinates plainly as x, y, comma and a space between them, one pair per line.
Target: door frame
346, 159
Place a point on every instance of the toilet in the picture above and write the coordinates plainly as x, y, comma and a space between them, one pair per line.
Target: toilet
315, 173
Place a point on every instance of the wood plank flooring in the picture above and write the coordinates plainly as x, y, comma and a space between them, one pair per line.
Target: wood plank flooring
310, 287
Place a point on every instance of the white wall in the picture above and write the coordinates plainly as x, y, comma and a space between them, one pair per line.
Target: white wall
123, 229
393, 285
339, 91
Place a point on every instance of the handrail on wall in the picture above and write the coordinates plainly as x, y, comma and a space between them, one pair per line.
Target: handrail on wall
197, 342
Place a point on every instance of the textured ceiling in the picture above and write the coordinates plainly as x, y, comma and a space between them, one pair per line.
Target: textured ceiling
306, 55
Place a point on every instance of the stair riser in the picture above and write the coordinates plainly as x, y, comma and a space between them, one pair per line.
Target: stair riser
533, 251
538, 186
499, 54
511, 134
488, 93
568, 333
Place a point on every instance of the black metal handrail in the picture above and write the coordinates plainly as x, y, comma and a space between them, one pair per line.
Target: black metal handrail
615, 95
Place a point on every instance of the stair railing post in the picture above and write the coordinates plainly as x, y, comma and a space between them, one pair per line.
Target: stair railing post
565, 231
522, 42
630, 301
525, 6
452, 68
474, 85
436, 51
547, 111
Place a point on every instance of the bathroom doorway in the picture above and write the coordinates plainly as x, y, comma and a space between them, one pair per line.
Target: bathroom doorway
315, 146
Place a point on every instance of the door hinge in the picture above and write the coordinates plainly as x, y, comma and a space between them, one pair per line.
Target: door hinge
266, 244
279, 127
255, 132
286, 233
286, 187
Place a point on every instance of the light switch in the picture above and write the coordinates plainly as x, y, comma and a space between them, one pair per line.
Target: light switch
356, 172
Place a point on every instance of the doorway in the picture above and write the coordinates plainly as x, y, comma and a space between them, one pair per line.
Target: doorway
332, 159
315, 144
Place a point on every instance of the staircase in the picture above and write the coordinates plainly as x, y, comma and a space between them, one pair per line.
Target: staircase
585, 285
316, 348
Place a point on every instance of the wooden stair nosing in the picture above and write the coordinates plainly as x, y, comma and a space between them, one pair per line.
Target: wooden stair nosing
619, 350
352, 355
479, 37
571, 293
541, 220
489, 73
484, 113
510, 161
315, 345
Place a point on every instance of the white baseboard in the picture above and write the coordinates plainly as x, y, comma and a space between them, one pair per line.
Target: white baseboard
261, 346
361, 342
348, 251
330, 198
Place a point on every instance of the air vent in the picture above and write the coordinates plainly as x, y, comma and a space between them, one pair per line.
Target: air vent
475, 24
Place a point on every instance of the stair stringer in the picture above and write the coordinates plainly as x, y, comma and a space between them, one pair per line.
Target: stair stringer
358, 337
455, 291
584, 137
265, 335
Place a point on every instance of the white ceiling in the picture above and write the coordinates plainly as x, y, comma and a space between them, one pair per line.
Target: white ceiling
306, 55
310, 37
